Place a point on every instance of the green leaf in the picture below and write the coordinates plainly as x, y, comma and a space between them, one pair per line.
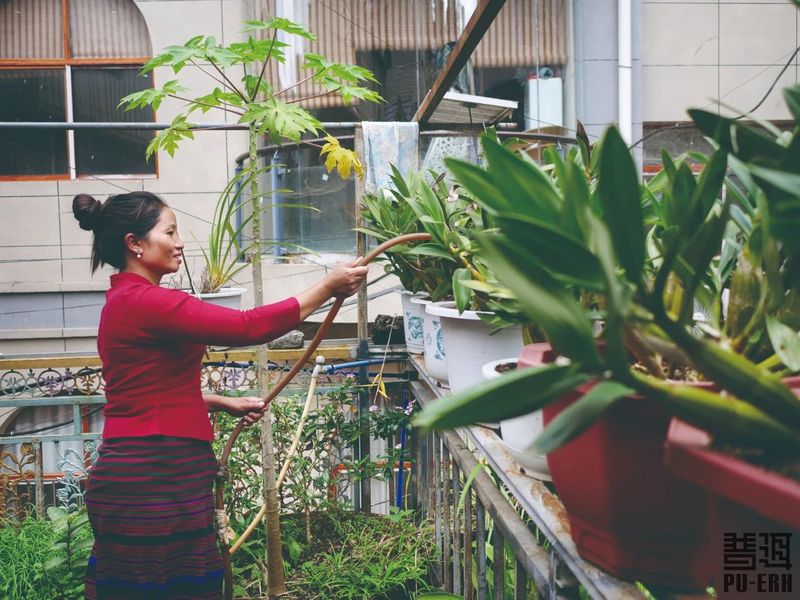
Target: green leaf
618, 189
280, 119
785, 341
566, 258
437, 596
55, 563
56, 513
430, 250
577, 417
710, 183
515, 393
542, 298
461, 294
279, 23
714, 126
576, 200
168, 138
527, 189
792, 95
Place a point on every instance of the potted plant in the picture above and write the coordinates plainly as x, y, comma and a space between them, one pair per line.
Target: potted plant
559, 242
517, 432
753, 489
465, 314
268, 112
386, 215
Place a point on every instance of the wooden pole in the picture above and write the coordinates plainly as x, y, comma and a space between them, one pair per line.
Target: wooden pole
477, 26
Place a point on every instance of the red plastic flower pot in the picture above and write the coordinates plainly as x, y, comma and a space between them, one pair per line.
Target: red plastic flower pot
754, 517
628, 513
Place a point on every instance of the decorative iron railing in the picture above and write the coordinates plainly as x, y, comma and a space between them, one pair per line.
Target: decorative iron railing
77, 381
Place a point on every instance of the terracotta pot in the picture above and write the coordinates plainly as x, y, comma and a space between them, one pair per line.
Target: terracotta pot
742, 499
628, 513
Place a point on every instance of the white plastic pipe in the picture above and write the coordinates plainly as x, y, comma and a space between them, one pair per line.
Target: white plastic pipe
625, 89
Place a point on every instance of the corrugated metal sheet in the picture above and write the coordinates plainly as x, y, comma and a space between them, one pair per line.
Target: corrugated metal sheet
31, 29
107, 29
526, 33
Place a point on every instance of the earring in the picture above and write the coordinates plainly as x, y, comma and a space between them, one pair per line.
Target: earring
139, 254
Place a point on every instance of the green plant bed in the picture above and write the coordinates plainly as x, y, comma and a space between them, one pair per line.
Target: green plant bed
352, 556
45, 559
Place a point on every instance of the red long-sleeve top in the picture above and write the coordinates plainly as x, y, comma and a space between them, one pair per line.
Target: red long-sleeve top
151, 342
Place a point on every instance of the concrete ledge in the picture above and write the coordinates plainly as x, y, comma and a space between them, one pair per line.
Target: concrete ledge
40, 334
38, 287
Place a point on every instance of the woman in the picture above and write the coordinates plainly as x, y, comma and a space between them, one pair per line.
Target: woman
150, 493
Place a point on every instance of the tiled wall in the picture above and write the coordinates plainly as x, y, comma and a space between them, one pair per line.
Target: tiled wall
698, 52
43, 252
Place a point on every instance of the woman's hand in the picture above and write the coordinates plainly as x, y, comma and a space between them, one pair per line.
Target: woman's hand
342, 281
345, 279
249, 407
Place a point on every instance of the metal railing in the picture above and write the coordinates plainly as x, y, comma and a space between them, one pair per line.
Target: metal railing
77, 381
499, 532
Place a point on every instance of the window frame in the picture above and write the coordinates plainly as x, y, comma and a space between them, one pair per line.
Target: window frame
66, 63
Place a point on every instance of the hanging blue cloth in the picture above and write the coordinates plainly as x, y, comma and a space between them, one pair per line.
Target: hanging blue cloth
391, 143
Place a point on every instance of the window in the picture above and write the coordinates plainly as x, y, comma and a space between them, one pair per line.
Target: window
72, 61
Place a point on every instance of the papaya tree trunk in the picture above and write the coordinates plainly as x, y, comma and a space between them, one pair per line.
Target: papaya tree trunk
276, 584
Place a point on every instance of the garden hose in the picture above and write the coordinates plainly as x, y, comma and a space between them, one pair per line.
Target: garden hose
273, 393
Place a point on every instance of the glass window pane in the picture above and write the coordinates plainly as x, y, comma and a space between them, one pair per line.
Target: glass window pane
96, 93
31, 29
32, 95
328, 228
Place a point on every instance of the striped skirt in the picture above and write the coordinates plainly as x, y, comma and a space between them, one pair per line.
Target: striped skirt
152, 511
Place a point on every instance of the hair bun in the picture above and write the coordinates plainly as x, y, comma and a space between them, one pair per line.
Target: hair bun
87, 211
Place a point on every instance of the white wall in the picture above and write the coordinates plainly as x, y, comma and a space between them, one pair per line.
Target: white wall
42, 249
698, 52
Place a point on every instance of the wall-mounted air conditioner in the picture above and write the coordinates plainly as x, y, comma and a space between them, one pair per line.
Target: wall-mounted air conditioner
544, 103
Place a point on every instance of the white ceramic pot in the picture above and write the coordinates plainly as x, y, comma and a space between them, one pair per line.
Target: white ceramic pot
469, 343
433, 343
519, 432
412, 322
229, 297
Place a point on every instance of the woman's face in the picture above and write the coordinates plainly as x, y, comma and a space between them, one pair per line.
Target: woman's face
161, 251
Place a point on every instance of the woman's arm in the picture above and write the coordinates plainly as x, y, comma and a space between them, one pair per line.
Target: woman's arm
341, 282
171, 313
249, 407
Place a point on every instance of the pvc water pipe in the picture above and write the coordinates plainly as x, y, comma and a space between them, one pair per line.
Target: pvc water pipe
624, 68
359, 363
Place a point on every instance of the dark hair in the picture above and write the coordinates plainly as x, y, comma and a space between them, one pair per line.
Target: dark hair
136, 213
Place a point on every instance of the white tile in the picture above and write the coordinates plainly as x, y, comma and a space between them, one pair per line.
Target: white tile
199, 165
743, 87
36, 346
32, 220
670, 91
17, 189
756, 34
697, 42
